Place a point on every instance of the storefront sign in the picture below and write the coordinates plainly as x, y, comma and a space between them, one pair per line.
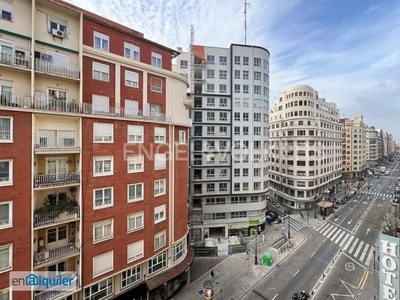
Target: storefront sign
389, 267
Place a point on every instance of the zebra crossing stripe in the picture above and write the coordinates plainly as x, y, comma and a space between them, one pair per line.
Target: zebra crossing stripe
329, 232
339, 237
359, 249
369, 257
334, 236
364, 252
344, 240
348, 243
352, 246
325, 228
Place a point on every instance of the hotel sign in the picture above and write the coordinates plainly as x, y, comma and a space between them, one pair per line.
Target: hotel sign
389, 267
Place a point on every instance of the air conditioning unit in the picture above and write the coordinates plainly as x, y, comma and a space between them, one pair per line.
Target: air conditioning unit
57, 32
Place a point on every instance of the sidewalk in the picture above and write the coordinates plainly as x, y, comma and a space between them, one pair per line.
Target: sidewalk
235, 275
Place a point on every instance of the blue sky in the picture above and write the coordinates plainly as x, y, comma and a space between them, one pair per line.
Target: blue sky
348, 50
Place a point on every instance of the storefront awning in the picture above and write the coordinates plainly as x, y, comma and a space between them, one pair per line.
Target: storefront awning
158, 280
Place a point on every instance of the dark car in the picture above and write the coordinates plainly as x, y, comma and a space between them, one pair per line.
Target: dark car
272, 217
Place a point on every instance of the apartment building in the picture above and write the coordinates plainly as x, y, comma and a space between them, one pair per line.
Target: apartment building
229, 138
371, 145
353, 147
94, 156
305, 147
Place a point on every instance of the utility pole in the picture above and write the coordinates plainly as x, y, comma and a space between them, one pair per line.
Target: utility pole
255, 249
245, 21
288, 228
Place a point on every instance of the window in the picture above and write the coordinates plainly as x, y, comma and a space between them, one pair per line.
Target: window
245, 60
257, 90
99, 290
223, 74
159, 240
100, 104
210, 59
135, 251
223, 60
155, 85
210, 116
178, 250
237, 88
237, 60
222, 88
103, 230
184, 64
6, 174
103, 165
159, 214
159, 135
6, 214
223, 130
101, 72
135, 163
223, 116
156, 60
56, 234
135, 221
182, 137
160, 161
223, 187
257, 75
236, 173
135, 192
135, 134
131, 276
131, 79
157, 263
57, 26
210, 88
237, 74
210, 102
103, 263
245, 74
6, 129
245, 116
101, 41
103, 133
223, 173
159, 187
210, 130
210, 73
245, 88
5, 294
223, 102
5, 257
6, 11
103, 198
257, 62
131, 51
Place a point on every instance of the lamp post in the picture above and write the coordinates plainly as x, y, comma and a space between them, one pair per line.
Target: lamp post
315, 206
288, 232
255, 249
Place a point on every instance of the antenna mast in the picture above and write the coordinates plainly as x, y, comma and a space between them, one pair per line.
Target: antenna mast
245, 23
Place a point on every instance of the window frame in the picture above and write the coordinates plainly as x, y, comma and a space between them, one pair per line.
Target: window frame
160, 161
131, 79
10, 134
10, 173
102, 71
136, 198
156, 59
7, 223
157, 263
102, 224
135, 272
159, 192
140, 243
102, 38
135, 160
103, 159
106, 270
137, 132
132, 53
8, 267
160, 213
160, 239
160, 137
103, 139
135, 216
109, 291
111, 204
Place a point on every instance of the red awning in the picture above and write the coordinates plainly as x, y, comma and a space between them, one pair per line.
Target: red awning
158, 280
198, 51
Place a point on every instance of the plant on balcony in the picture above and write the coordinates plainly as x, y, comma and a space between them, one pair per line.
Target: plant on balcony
64, 204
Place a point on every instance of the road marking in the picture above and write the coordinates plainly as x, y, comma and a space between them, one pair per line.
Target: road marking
324, 230
344, 240
352, 246
348, 243
364, 252
339, 237
275, 297
350, 221
296, 273
368, 230
334, 236
313, 253
334, 229
369, 257
358, 249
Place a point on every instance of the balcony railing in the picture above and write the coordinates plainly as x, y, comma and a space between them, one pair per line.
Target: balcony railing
52, 255
15, 60
46, 66
44, 142
57, 291
54, 217
12, 100
45, 180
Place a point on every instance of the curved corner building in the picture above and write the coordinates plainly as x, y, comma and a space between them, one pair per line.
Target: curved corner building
305, 147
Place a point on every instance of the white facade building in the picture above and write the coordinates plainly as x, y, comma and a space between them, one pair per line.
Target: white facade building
305, 147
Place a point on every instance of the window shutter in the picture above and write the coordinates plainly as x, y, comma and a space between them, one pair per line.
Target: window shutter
135, 250
103, 263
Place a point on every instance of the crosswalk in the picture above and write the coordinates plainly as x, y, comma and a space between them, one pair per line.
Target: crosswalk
351, 245
375, 193
293, 223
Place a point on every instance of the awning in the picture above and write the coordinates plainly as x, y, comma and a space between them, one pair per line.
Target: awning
325, 204
198, 51
158, 280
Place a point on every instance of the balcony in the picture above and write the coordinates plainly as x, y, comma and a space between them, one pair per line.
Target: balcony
45, 180
16, 60
46, 66
63, 106
56, 139
58, 291
54, 217
44, 257
187, 101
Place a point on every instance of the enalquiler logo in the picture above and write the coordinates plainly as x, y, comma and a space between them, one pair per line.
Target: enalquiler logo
39, 281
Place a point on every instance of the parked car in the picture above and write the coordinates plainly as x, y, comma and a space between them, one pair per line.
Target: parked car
272, 217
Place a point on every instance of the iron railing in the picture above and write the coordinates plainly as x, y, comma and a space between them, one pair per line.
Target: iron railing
54, 217
52, 255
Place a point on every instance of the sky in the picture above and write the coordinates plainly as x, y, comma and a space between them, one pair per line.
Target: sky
347, 50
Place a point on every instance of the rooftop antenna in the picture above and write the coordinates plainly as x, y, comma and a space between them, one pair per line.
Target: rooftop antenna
245, 24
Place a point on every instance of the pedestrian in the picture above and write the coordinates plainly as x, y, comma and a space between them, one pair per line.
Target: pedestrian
263, 237
212, 274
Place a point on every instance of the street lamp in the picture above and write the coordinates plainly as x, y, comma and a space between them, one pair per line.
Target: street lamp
255, 249
315, 206
288, 228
